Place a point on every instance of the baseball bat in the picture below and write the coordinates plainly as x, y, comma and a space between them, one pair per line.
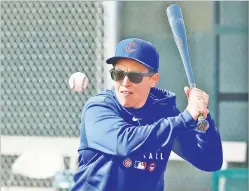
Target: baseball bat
177, 25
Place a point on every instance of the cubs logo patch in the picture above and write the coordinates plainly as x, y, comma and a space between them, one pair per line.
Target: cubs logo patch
127, 163
152, 166
130, 47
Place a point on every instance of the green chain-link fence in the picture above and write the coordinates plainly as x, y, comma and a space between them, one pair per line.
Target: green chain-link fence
42, 44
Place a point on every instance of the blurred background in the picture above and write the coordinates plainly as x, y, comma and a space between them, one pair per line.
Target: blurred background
44, 42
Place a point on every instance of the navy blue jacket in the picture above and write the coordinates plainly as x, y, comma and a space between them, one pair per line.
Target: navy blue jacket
127, 149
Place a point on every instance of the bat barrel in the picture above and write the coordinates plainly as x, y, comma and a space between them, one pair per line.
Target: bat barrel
177, 25
174, 12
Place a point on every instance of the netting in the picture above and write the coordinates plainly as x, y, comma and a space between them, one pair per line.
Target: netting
42, 44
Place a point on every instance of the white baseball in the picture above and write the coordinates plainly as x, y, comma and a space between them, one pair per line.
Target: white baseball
78, 82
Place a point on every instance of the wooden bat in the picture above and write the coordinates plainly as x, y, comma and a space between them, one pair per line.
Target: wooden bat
177, 25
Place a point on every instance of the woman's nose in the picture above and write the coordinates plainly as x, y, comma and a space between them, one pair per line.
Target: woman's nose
126, 81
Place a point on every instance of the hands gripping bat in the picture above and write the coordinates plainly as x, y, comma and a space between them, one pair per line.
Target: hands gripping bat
177, 25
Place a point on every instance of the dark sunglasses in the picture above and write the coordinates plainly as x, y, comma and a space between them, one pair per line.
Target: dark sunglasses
134, 77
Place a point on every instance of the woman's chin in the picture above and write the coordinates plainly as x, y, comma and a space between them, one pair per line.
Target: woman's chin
125, 104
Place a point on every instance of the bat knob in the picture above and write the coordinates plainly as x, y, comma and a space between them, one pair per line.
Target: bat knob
202, 124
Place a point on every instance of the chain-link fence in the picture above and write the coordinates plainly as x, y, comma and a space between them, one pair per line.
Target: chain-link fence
42, 44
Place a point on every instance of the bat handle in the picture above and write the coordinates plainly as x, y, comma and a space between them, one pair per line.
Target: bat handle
202, 124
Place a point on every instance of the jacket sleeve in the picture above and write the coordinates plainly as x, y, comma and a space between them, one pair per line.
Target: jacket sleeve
106, 131
203, 150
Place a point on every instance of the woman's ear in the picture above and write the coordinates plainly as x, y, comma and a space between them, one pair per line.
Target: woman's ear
154, 80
